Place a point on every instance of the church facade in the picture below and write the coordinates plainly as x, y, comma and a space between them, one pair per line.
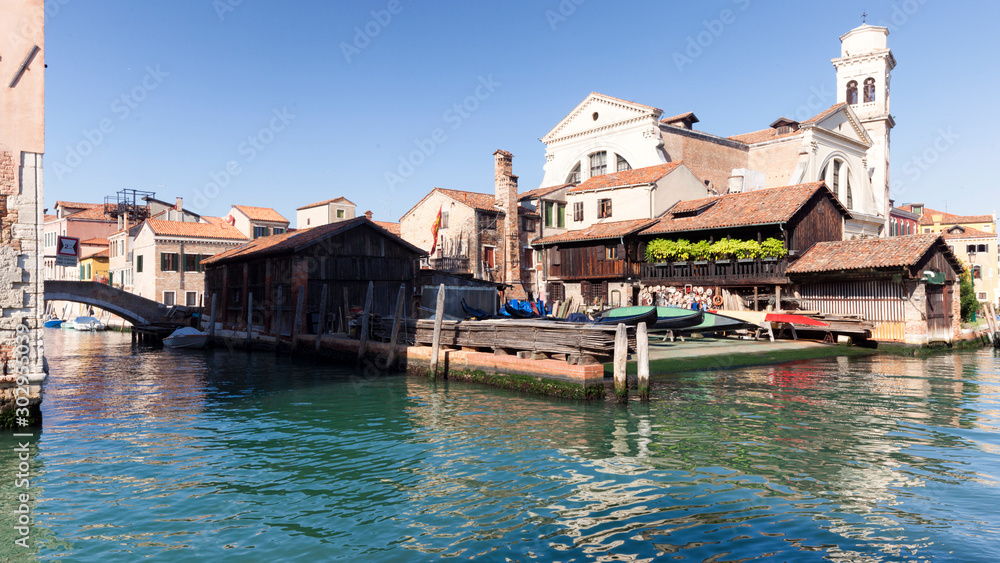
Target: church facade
846, 145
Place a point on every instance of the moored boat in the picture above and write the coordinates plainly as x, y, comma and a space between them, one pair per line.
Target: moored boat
53, 323
714, 322
630, 316
87, 324
186, 337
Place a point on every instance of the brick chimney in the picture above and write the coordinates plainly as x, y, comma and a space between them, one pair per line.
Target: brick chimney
179, 206
505, 183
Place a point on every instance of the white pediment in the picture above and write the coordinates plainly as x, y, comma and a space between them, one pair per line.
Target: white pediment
845, 123
599, 112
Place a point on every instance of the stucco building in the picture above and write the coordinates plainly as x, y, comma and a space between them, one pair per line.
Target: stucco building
22, 143
84, 221
324, 212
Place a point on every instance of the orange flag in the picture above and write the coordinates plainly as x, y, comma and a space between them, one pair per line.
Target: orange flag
435, 229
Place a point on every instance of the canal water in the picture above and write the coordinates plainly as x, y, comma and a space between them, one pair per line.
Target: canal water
165, 455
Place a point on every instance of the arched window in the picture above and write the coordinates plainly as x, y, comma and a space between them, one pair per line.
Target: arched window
835, 179
977, 272
623, 164
574, 175
598, 164
852, 92
869, 90
847, 185
837, 176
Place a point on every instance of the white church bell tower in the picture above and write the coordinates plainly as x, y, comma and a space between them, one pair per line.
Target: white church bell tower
863, 72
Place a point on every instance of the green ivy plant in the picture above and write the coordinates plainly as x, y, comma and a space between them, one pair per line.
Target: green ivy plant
666, 250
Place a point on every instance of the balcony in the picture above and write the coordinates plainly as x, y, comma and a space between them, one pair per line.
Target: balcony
452, 264
721, 272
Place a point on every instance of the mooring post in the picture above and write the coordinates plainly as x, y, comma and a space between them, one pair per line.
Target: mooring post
322, 315
364, 321
396, 319
297, 319
211, 319
642, 368
346, 313
436, 343
249, 317
277, 321
621, 356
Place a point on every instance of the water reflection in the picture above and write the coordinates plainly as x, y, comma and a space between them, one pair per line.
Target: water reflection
224, 455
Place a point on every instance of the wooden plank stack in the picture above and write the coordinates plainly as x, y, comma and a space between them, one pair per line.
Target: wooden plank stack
512, 335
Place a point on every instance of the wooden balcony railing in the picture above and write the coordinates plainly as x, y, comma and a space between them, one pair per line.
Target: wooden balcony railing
722, 272
452, 264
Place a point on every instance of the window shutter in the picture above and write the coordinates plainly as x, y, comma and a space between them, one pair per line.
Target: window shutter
163, 261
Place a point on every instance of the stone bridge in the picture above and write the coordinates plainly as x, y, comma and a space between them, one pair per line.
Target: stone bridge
134, 309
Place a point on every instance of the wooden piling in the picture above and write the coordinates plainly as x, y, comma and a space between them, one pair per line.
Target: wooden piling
364, 320
322, 316
396, 319
249, 317
621, 356
297, 319
642, 353
346, 313
211, 318
436, 343
277, 320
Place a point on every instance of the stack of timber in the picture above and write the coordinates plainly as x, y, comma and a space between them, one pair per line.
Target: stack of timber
547, 337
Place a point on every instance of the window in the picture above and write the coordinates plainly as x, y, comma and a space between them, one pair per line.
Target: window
852, 92
927, 230
489, 257
487, 221
603, 208
528, 258
982, 248
138, 264
259, 232
623, 164
977, 272
578, 211
850, 196
192, 263
277, 230
340, 214
561, 215
527, 225
836, 177
869, 90
168, 297
168, 262
970, 248
574, 175
308, 221
598, 163
548, 210
444, 220
191, 298
611, 252
982, 296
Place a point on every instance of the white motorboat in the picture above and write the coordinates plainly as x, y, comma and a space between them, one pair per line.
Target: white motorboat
186, 337
86, 323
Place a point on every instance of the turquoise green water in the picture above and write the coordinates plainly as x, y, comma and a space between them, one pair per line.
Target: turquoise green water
167, 456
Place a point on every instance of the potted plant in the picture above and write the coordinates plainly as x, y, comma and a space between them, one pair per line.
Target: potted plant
773, 249
747, 250
723, 250
701, 251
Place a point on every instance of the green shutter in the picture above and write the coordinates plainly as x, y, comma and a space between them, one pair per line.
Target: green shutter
138, 264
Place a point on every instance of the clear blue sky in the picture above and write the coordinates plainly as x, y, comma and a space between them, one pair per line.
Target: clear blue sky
185, 89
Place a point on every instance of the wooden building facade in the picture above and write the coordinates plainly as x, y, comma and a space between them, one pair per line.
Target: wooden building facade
326, 268
906, 285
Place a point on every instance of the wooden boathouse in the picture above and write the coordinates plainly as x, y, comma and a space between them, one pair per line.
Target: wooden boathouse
906, 285
309, 280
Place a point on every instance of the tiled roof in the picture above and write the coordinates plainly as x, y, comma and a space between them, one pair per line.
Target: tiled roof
76, 205
870, 253
393, 228
261, 214
96, 242
759, 207
927, 218
213, 220
768, 134
90, 214
343, 200
49, 218
475, 200
541, 192
103, 253
293, 241
689, 115
632, 177
969, 233
609, 230
223, 231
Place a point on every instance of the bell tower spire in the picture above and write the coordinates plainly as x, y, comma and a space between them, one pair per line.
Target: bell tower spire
863, 72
